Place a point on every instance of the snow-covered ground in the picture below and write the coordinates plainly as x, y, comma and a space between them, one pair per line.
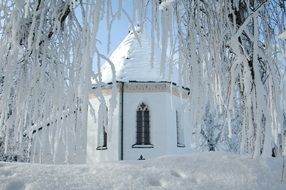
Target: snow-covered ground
201, 171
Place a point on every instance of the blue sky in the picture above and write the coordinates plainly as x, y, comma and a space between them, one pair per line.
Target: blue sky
119, 28
118, 32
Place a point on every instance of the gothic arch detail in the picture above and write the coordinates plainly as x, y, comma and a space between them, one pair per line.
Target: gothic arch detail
142, 126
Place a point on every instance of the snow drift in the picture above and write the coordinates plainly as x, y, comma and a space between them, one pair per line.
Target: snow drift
211, 170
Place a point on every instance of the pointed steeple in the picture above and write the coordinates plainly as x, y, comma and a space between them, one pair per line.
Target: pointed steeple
132, 59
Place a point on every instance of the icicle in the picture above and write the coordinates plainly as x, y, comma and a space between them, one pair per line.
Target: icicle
27, 2
108, 23
153, 29
229, 125
119, 9
164, 41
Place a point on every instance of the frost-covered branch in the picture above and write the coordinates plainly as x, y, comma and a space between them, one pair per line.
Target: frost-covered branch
229, 46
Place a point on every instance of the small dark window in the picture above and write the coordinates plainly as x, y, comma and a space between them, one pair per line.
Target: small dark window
180, 132
142, 127
102, 134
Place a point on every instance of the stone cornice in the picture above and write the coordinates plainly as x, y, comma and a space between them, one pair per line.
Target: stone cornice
147, 87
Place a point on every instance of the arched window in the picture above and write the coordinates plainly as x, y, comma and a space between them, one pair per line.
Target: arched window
142, 127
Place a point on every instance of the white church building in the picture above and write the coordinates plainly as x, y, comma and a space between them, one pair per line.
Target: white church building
150, 118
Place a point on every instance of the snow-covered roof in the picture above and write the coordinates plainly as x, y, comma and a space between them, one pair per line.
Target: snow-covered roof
132, 60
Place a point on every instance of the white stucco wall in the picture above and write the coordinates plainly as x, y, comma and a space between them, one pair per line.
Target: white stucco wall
163, 131
49, 147
113, 139
156, 103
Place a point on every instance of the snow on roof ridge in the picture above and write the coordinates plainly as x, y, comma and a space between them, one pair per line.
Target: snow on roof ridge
132, 60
